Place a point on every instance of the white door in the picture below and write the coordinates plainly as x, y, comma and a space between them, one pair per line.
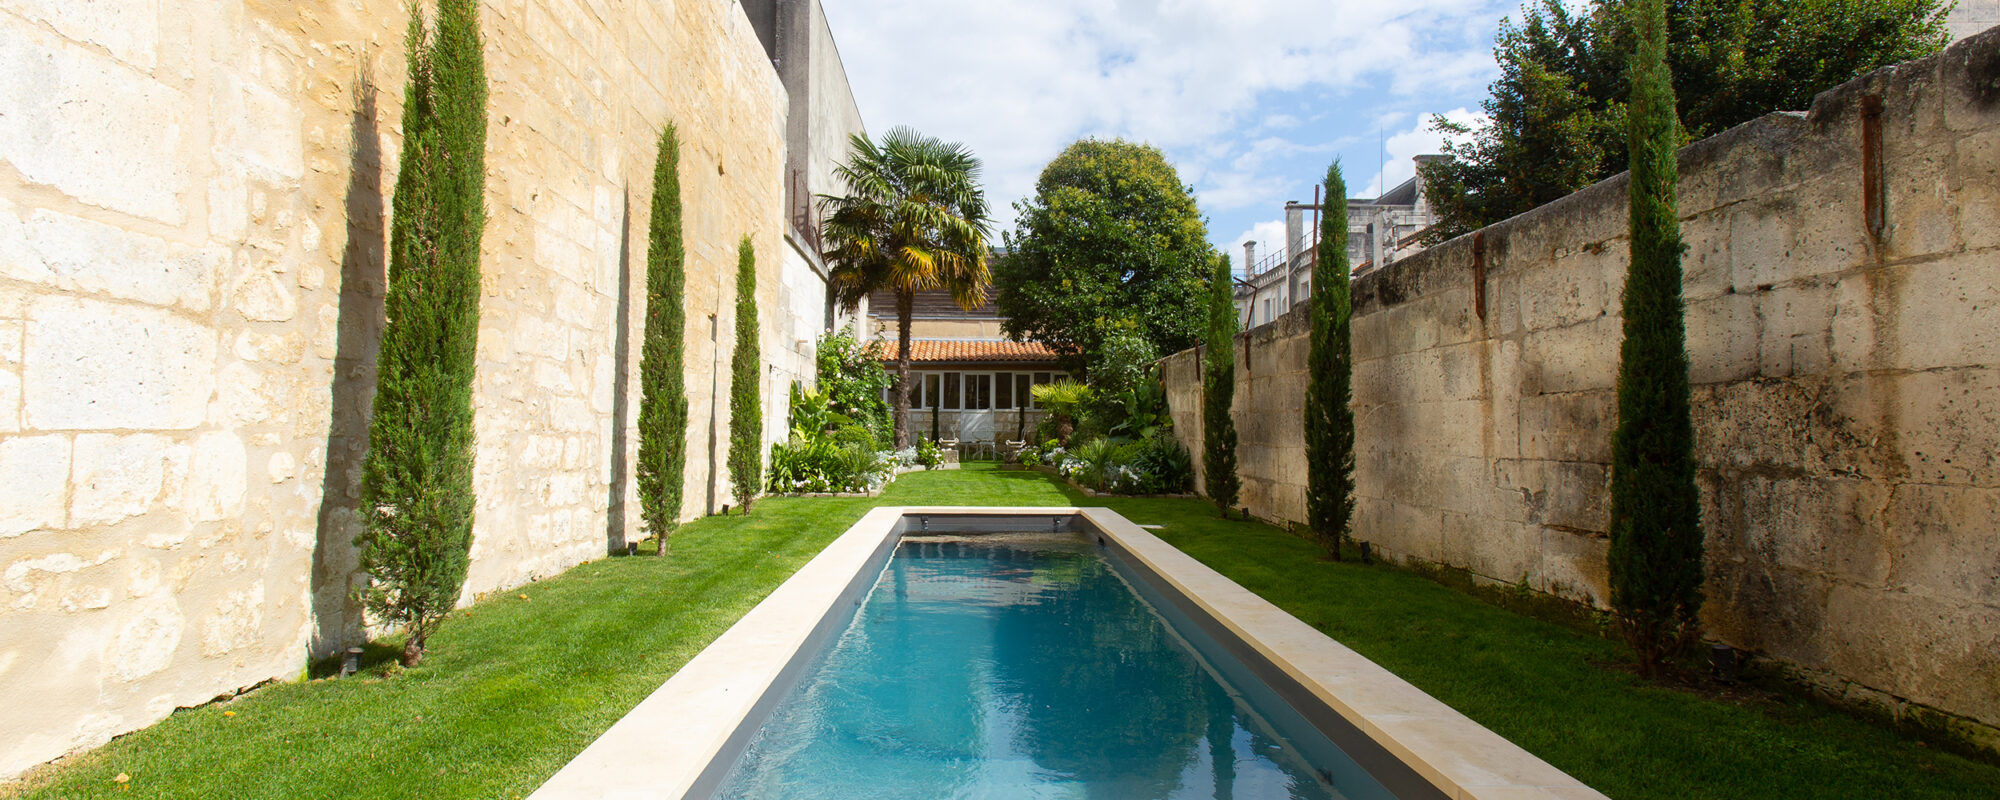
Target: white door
975, 424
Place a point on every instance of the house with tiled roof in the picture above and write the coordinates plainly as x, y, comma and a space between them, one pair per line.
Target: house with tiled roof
970, 382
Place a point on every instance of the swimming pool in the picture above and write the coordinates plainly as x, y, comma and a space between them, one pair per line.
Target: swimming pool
1078, 655
1028, 665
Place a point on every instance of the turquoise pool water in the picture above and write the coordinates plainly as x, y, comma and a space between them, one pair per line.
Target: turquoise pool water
1025, 666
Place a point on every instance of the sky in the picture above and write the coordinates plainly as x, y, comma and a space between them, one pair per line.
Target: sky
1249, 99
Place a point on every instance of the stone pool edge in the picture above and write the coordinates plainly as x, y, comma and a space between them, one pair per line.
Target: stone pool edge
663, 747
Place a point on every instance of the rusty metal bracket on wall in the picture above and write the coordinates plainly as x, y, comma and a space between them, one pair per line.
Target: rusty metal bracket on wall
1872, 191
1479, 274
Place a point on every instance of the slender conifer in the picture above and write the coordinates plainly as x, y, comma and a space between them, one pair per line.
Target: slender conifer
1330, 376
1218, 378
663, 405
1656, 537
746, 406
417, 485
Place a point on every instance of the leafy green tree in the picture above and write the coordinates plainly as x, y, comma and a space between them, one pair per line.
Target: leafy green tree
914, 219
417, 496
1330, 370
1656, 537
1557, 112
746, 403
663, 405
1218, 395
1111, 236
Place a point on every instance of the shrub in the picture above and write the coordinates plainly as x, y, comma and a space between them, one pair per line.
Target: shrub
827, 451
663, 406
417, 488
1218, 380
1329, 421
1656, 538
746, 406
1064, 399
929, 454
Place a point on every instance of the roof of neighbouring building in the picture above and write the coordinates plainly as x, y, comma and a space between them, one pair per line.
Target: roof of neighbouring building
969, 351
930, 305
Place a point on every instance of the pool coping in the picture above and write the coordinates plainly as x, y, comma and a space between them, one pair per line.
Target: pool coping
664, 746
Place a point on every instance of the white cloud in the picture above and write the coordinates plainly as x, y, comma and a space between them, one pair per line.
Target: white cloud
1269, 236
1019, 80
1418, 140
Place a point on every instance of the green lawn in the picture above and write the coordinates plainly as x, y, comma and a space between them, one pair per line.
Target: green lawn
516, 687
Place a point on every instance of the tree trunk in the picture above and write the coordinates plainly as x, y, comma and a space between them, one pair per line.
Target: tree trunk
413, 648
905, 307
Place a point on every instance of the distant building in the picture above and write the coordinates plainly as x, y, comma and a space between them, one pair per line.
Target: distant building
1379, 231
1972, 17
971, 383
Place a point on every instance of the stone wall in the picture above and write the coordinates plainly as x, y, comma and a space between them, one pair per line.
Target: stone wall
192, 235
1845, 374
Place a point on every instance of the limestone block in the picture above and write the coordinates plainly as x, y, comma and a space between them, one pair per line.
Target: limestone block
1921, 216
113, 477
90, 126
1923, 645
128, 29
34, 480
234, 621
1573, 566
1705, 269
1794, 330
1581, 357
1977, 189
1576, 426
147, 639
1401, 528
1570, 290
1722, 339
1945, 425
93, 366
217, 477
1506, 552
1945, 313
72, 254
265, 297
256, 128
1831, 527
1944, 543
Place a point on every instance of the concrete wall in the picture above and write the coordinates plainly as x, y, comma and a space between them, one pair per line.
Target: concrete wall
192, 234
1844, 386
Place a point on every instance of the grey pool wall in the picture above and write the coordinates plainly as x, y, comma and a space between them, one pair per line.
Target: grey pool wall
681, 741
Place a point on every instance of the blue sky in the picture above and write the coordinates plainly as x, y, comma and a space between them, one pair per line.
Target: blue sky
1250, 99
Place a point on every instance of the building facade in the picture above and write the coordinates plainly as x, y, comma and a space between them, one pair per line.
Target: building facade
969, 382
1379, 232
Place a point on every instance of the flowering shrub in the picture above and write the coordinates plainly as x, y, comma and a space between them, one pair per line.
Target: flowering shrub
827, 452
929, 454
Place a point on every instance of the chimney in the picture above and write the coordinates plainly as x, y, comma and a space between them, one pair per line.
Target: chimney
1249, 257
1295, 230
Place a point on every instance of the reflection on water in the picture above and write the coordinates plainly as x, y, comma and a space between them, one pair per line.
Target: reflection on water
1017, 666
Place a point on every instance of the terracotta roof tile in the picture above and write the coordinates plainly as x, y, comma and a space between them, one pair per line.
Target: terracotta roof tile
942, 351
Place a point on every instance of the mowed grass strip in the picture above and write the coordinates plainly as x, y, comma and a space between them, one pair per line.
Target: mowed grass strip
517, 687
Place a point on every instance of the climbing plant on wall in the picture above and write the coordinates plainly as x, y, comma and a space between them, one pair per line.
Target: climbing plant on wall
1656, 538
1218, 381
1329, 421
746, 406
663, 405
417, 499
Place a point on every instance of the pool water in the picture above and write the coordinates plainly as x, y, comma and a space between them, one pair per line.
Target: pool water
1026, 666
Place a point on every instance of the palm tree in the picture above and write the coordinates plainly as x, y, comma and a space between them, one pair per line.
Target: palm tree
914, 219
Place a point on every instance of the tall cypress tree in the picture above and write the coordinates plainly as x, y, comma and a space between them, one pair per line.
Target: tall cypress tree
1330, 378
663, 406
746, 406
417, 486
1656, 537
1218, 381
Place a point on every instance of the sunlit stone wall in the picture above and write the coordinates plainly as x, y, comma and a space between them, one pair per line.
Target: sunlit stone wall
193, 203
1845, 391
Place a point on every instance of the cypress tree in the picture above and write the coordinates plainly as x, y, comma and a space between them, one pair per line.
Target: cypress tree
1329, 421
663, 406
1218, 380
417, 486
1656, 537
746, 407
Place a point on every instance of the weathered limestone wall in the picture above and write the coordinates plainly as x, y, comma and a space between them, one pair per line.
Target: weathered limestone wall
1843, 401
192, 235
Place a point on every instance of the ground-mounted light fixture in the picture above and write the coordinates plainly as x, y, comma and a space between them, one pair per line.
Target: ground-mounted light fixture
350, 661
1722, 658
